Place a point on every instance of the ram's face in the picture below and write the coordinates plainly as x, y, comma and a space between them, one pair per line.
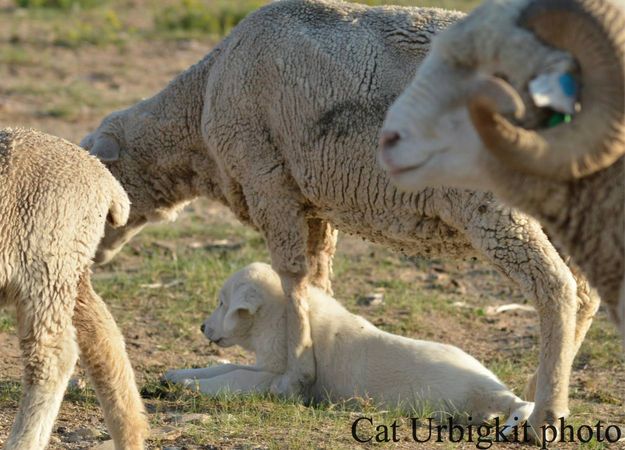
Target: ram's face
466, 107
428, 138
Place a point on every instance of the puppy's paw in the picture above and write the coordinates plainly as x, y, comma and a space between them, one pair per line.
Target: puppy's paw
172, 376
289, 385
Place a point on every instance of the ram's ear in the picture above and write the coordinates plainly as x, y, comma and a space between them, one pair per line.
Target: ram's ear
105, 148
245, 300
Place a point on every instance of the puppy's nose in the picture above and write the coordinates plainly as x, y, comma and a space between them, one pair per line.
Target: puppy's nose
202, 328
388, 139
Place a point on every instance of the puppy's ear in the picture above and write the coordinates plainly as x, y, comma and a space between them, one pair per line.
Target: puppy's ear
245, 300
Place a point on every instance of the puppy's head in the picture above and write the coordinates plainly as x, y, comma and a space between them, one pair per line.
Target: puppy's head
240, 300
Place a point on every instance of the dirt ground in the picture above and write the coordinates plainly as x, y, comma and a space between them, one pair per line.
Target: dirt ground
164, 283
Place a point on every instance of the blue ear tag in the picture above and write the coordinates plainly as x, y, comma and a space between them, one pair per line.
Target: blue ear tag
568, 85
556, 91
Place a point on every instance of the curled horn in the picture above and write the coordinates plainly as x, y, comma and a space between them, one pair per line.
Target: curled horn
593, 31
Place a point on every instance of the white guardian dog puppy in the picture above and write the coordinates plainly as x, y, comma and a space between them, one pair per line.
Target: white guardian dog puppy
354, 358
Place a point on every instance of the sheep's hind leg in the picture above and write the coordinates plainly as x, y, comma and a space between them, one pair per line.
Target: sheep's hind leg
322, 239
48, 344
103, 353
516, 245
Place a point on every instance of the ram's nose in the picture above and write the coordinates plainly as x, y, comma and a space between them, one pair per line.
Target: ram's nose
388, 140
202, 328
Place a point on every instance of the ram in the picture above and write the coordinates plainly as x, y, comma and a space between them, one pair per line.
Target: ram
54, 201
280, 123
460, 123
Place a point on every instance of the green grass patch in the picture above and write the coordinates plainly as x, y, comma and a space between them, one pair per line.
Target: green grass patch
58, 4
10, 392
7, 320
215, 17
103, 30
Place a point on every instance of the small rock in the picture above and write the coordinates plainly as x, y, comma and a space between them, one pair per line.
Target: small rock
55, 439
371, 299
165, 433
438, 277
459, 287
614, 435
493, 310
105, 445
77, 383
61, 430
150, 408
82, 434
172, 448
463, 305
220, 244
190, 418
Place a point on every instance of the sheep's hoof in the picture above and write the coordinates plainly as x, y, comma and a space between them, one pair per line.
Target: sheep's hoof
544, 427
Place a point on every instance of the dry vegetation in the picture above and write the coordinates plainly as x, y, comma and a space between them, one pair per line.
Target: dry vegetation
66, 65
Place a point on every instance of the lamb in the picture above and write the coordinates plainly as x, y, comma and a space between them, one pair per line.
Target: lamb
259, 126
354, 358
454, 124
54, 201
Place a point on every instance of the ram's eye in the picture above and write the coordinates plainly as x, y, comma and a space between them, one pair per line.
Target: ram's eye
221, 303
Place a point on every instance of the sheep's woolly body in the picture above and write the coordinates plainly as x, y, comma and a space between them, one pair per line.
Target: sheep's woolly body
280, 122
585, 216
54, 200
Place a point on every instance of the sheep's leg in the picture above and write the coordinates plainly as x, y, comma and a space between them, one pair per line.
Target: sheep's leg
48, 344
321, 248
517, 246
588, 304
103, 353
278, 212
300, 373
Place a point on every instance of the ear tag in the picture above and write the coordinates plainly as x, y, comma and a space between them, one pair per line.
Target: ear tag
558, 119
557, 91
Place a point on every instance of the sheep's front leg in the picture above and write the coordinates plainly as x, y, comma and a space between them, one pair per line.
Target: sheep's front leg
322, 239
516, 245
279, 214
300, 372
587, 306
